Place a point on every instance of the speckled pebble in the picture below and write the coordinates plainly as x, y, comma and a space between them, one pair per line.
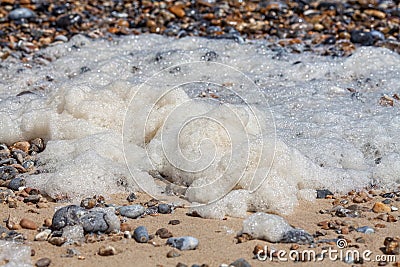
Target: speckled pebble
43, 262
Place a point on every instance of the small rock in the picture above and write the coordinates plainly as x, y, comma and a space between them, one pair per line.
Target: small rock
173, 253
131, 197
132, 211
21, 13
141, 235
164, 233
32, 199
393, 208
43, 262
126, 227
240, 263
107, 251
164, 208
177, 11
16, 183
362, 37
68, 20
360, 240
324, 193
174, 222
365, 230
298, 236
47, 222
379, 207
387, 201
28, 224
42, 236
391, 218
183, 243
57, 241
392, 246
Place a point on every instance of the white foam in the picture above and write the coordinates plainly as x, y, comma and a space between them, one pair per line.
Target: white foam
134, 105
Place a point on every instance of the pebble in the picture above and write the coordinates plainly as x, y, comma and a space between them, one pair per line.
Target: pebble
379, 207
132, 211
131, 197
387, 201
68, 20
174, 222
183, 243
164, 233
16, 183
324, 193
298, 236
43, 235
68, 215
393, 208
21, 13
173, 253
43, 262
362, 37
392, 246
164, 208
141, 235
107, 251
240, 263
28, 224
57, 241
100, 220
365, 230
32, 199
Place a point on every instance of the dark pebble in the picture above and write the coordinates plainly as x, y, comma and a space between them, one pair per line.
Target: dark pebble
164, 208
297, 236
210, 56
164, 233
324, 193
131, 197
387, 201
7, 173
388, 195
181, 265
362, 38
141, 235
68, 20
21, 13
16, 183
43, 262
240, 263
68, 215
174, 222
32, 199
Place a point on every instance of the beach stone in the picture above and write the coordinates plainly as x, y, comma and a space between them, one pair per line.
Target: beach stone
240, 263
380, 207
324, 193
57, 241
68, 215
298, 236
365, 230
164, 233
43, 262
132, 211
131, 197
173, 253
100, 220
16, 183
42, 236
392, 246
107, 251
21, 13
174, 222
28, 224
183, 243
164, 208
362, 37
68, 20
